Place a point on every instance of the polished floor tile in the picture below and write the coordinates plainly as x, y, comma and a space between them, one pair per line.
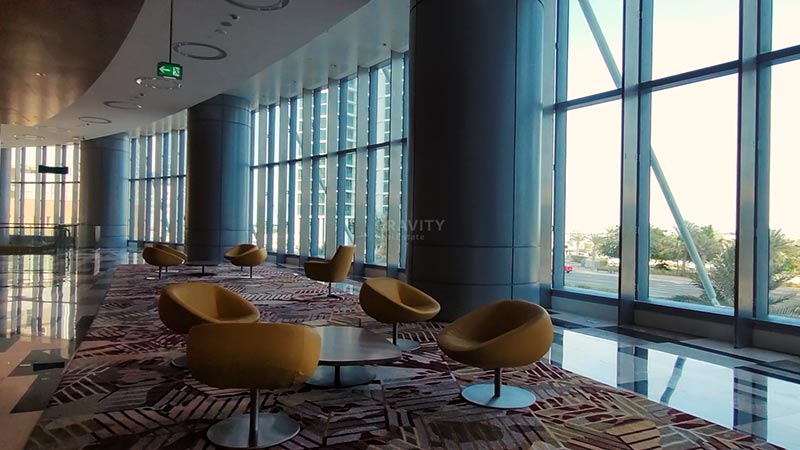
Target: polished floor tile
15, 429
46, 303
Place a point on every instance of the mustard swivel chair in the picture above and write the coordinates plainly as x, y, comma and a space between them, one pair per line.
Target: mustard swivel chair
253, 356
389, 300
172, 250
331, 270
182, 306
161, 258
246, 255
505, 333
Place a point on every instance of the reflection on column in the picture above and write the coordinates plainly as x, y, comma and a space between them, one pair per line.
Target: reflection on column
750, 394
18, 273
4, 286
37, 300
677, 371
38, 295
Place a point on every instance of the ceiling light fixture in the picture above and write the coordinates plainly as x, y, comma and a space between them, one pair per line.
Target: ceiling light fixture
198, 50
52, 129
256, 5
166, 84
92, 119
121, 104
28, 137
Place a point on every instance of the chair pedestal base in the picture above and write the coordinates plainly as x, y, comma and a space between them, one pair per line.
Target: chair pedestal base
510, 397
234, 432
406, 345
340, 376
181, 362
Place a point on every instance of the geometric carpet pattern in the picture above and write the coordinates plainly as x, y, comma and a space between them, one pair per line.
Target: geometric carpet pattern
120, 392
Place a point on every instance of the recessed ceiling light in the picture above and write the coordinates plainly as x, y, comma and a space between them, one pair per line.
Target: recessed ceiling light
28, 137
260, 5
225, 23
158, 83
233, 16
121, 104
92, 119
51, 129
198, 50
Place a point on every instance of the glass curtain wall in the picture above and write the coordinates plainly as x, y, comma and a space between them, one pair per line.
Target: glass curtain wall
676, 188
43, 198
157, 188
327, 168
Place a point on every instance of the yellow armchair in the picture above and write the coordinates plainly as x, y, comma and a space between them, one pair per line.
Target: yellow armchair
246, 255
172, 250
332, 270
392, 301
253, 356
182, 306
505, 333
161, 258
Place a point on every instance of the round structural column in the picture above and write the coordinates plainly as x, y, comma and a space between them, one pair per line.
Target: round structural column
103, 209
5, 191
217, 174
475, 118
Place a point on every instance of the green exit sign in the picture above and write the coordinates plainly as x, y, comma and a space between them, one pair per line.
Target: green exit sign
170, 70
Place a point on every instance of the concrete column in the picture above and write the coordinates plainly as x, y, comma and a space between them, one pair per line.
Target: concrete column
103, 209
217, 176
475, 119
5, 189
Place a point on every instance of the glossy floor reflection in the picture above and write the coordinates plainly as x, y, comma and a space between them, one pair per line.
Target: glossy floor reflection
48, 301
752, 390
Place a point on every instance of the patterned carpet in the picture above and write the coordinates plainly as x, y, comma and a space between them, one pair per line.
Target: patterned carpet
120, 392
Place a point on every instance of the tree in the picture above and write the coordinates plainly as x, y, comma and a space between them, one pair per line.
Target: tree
721, 274
784, 259
596, 240
709, 243
784, 264
608, 243
664, 246
577, 238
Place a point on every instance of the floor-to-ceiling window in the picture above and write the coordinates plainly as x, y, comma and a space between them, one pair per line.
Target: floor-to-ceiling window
157, 187
675, 149
327, 168
41, 200
588, 155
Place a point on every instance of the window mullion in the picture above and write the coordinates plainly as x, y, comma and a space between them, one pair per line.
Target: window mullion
746, 191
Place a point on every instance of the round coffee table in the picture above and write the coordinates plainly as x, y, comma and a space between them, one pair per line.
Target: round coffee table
202, 265
344, 351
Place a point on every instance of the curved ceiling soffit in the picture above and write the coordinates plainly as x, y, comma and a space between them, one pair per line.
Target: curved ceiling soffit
53, 51
252, 40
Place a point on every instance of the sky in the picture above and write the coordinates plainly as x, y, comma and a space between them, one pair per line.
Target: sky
693, 126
